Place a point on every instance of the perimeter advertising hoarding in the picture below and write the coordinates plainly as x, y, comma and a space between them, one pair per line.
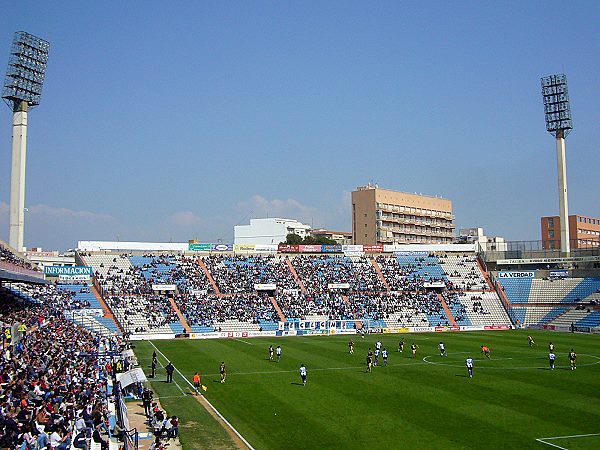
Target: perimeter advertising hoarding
200, 247
69, 271
222, 247
331, 248
287, 248
244, 248
375, 248
309, 248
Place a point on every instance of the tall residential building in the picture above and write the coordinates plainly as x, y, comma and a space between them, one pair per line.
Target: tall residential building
387, 217
584, 232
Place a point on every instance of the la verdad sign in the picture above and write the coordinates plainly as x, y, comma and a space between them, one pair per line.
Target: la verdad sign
529, 274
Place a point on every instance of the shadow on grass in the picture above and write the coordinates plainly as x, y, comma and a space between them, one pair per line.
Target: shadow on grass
462, 376
296, 384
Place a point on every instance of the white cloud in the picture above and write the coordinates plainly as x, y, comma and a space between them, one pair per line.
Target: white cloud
259, 206
185, 219
67, 214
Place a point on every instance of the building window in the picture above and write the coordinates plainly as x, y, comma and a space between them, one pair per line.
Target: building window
550, 223
551, 233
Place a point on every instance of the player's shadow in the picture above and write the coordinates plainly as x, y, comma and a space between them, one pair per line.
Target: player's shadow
296, 384
462, 376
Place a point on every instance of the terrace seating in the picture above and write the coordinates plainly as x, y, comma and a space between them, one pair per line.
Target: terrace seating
463, 272
484, 308
317, 272
238, 274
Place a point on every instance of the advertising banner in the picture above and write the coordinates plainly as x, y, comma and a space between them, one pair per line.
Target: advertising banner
417, 253
375, 248
287, 248
434, 284
496, 327
265, 286
244, 248
222, 247
559, 274
233, 334
331, 248
338, 285
199, 247
352, 248
309, 248
73, 278
266, 248
70, 271
198, 292
164, 287
529, 274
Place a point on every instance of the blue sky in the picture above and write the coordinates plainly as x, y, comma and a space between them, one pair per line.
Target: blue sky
175, 120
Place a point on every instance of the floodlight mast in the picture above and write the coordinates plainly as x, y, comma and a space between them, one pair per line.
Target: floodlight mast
22, 91
557, 111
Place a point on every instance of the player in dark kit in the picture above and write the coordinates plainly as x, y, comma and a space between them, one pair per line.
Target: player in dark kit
223, 372
401, 346
531, 341
414, 348
369, 360
573, 359
271, 352
351, 346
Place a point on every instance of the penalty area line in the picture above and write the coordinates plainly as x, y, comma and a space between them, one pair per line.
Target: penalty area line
572, 436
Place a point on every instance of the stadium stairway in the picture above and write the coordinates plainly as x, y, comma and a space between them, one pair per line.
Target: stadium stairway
209, 276
485, 274
107, 311
296, 277
278, 309
380, 273
449, 314
358, 323
182, 320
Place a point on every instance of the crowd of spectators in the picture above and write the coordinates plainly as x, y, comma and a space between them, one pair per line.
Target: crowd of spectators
318, 272
331, 305
7, 256
236, 274
53, 388
210, 310
142, 314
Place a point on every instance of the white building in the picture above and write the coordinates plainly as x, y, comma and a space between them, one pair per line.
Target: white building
486, 243
268, 231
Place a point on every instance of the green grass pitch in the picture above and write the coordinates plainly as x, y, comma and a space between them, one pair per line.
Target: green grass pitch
427, 402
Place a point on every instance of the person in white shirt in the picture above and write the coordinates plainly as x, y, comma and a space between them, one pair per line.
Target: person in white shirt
303, 374
384, 354
278, 352
551, 360
470, 366
442, 349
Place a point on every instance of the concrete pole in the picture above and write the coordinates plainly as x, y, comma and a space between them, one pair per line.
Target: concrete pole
562, 193
17, 176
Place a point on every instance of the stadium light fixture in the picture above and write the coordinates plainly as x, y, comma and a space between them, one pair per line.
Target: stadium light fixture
557, 110
22, 90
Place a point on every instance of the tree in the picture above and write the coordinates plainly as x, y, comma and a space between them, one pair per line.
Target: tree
293, 239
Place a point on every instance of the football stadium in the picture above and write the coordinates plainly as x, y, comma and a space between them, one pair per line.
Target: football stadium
403, 333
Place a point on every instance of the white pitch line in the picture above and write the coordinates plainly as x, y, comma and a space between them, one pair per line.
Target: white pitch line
243, 342
208, 403
553, 445
571, 436
167, 359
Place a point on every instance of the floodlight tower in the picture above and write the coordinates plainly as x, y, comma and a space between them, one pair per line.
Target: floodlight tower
559, 124
22, 91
